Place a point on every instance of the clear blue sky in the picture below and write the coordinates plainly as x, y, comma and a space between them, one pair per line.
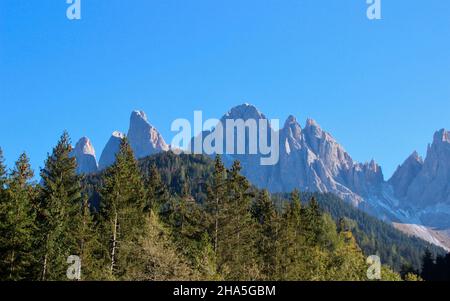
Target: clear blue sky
380, 87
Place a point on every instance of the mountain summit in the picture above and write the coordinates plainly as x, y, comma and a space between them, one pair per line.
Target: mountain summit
108, 156
84, 153
145, 140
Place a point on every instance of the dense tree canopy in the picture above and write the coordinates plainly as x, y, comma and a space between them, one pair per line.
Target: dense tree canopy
179, 217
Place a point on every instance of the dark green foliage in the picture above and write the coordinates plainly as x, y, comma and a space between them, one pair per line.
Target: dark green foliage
157, 193
372, 235
17, 224
183, 217
435, 268
182, 171
2, 173
122, 212
236, 239
60, 203
268, 223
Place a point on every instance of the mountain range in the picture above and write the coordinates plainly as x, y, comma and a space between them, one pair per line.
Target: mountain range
416, 199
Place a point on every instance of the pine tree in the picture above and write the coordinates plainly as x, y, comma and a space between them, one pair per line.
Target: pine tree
157, 194
215, 202
428, 266
138, 246
187, 221
312, 222
122, 210
89, 247
236, 241
263, 210
60, 203
291, 242
17, 226
3, 173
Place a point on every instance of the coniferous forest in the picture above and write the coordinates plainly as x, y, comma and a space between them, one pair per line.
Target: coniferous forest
186, 217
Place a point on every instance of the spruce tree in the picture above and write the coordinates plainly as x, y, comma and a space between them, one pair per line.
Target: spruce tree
17, 226
3, 173
313, 222
215, 202
427, 272
60, 203
88, 243
157, 194
187, 222
291, 242
138, 247
263, 211
122, 204
236, 240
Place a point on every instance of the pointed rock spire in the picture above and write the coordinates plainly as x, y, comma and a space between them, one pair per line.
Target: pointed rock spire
84, 153
145, 140
108, 156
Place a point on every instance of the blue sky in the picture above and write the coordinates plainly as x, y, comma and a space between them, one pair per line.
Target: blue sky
380, 87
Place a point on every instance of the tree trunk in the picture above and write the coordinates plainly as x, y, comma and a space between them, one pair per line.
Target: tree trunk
114, 245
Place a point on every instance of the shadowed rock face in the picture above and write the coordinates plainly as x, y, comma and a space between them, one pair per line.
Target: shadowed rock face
84, 153
431, 185
405, 175
144, 139
108, 156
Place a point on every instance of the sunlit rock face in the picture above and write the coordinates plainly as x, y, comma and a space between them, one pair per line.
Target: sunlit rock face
84, 153
145, 140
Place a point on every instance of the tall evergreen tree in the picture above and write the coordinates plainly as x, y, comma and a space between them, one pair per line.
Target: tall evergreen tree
236, 241
215, 202
17, 224
122, 210
428, 267
88, 243
60, 203
157, 194
291, 242
312, 222
3, 173
263, 210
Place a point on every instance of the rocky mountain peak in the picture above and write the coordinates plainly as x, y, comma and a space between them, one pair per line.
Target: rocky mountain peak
108, 156
441, 136
84, 145
293, 128
415, 157
430, 185
405, 174
311, 123
245, 112
145, 140
84, 153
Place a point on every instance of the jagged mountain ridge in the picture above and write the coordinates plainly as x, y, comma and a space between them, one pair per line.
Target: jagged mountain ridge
312, 160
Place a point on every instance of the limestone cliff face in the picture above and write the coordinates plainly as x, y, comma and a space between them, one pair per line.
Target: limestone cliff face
108, 156
405, 175
145, 140
310, 160
431, 185
84, 153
